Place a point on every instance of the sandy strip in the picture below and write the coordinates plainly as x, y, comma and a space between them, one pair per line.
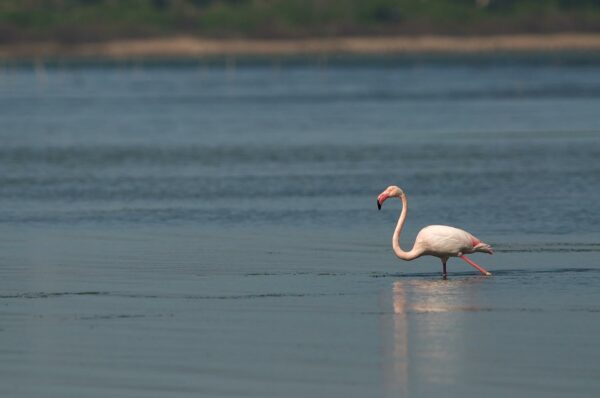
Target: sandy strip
198, 47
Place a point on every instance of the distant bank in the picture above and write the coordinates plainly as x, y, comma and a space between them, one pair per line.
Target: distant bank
182, 47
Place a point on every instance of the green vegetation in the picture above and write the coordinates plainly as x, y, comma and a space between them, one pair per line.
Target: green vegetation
92, 20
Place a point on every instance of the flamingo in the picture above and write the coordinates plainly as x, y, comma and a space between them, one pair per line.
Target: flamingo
434, 240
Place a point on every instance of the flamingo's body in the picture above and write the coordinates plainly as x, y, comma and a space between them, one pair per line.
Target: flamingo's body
435, 240
443, 242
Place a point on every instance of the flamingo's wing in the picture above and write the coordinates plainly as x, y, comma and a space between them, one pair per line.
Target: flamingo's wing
443, 240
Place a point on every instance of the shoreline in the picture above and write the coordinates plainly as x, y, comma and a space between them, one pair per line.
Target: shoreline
193, 47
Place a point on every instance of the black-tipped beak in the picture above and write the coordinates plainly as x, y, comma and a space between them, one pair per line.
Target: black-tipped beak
378, 205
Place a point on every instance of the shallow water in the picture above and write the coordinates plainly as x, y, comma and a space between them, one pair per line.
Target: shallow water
205, 229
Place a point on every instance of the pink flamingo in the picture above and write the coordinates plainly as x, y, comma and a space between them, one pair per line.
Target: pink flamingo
435, 240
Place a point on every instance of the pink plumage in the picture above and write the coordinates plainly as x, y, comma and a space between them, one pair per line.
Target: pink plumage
435, 240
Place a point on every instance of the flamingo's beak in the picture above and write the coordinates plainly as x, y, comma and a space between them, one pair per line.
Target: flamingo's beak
380, 199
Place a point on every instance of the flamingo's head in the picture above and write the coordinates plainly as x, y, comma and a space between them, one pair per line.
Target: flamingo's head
390, 192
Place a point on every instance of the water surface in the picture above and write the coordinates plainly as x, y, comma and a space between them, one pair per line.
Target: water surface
210, 229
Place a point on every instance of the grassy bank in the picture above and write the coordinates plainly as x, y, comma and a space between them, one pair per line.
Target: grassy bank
82, 21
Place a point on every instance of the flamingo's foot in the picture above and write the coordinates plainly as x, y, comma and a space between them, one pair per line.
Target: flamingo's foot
479, 268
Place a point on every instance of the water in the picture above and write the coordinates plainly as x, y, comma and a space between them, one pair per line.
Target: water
208, 229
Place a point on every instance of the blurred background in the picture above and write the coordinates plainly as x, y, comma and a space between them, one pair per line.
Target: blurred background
73, 21
187, 197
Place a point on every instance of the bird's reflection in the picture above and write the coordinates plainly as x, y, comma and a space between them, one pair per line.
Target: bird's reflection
414, 344
396, 364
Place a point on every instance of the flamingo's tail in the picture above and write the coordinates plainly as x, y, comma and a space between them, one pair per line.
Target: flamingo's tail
484, 248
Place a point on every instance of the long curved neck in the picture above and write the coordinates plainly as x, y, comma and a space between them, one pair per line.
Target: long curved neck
414, 252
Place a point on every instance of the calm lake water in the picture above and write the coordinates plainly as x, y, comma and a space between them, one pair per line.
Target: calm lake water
210, 228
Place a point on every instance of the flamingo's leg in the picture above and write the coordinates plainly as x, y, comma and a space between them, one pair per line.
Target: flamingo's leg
444, 273
479, 268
